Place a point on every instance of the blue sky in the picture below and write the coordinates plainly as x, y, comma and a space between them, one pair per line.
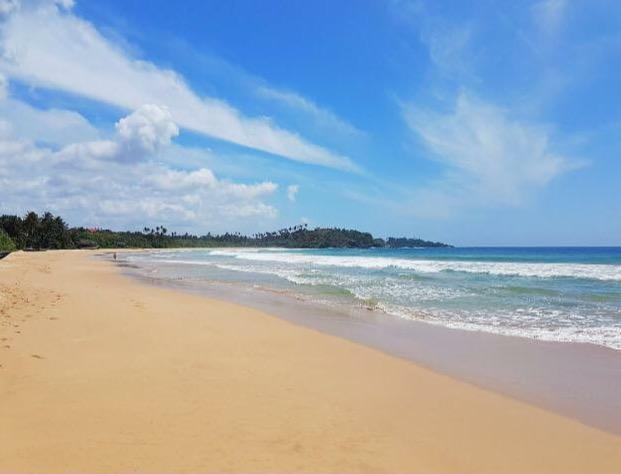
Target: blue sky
476, 123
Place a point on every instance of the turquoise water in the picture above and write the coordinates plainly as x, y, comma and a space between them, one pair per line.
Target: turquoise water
557, 294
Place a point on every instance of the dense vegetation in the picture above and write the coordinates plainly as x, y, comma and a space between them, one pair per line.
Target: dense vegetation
6, 244
400, 242
34, 232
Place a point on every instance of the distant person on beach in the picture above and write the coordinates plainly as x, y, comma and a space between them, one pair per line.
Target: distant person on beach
114, 255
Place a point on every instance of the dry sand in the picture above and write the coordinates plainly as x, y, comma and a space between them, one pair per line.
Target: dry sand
100, 373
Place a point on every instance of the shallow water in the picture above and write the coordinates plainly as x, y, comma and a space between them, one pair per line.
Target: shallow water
552, 294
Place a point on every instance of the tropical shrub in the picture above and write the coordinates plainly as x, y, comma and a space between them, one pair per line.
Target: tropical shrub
6, 244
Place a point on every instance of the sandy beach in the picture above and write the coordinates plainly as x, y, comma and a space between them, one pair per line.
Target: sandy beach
102, 374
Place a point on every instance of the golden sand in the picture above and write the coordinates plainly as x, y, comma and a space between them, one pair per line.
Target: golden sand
102, 374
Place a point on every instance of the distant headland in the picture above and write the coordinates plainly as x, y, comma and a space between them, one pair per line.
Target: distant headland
34, 232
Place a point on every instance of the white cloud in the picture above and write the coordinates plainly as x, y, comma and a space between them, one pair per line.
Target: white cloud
292, 191
97, 183
4, 87
53, 126
490, 158
174, 180
90, 151
66, 4
47, 47
147, 129
139, 135
323, 117
8, 6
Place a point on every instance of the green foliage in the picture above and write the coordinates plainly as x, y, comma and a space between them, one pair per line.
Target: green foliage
401, 242
298, 237
301, 237
6, 244
34, 232
49, 232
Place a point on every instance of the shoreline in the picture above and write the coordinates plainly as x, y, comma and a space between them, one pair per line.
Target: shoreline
104, 374
576, 303
578, 380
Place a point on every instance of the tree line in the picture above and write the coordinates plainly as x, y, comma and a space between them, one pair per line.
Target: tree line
34, 232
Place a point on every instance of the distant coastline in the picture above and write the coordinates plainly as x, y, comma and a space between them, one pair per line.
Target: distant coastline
34, 232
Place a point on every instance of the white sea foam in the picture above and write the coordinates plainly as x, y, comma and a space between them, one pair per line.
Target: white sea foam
553, 306
526, 269
603, 335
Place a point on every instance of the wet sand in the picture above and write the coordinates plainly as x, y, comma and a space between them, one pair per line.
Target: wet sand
103, 374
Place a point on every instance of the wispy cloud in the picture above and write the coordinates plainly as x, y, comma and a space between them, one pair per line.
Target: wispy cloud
450, 48
8, 6
315, 116
449, 44
549, 14
52, 126
490, 157
322, 116
47, 45
292, 192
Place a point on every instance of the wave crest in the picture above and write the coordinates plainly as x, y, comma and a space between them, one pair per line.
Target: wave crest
523, 269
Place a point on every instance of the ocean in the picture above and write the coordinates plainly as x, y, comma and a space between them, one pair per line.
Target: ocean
552, 294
